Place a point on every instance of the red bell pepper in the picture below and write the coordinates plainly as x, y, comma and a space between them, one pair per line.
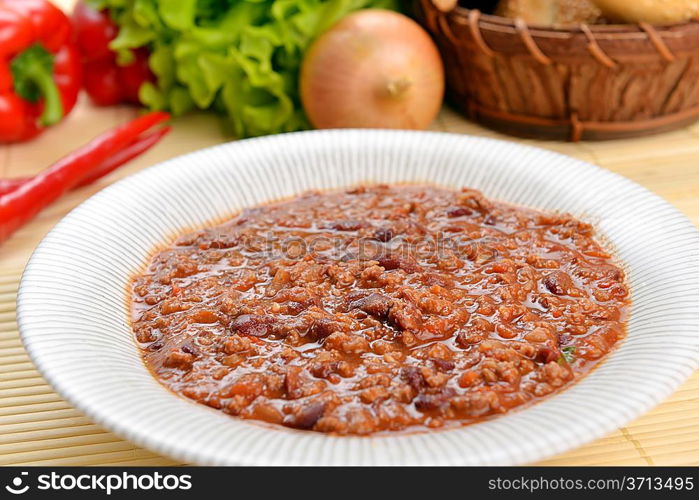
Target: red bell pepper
106, 82
39, 68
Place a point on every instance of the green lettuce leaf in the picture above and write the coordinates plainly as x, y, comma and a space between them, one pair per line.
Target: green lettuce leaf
239, 58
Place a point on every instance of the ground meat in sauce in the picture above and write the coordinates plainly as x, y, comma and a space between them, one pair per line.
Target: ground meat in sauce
379, 309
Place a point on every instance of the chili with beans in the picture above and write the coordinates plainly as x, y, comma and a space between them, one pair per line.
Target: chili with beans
379, 309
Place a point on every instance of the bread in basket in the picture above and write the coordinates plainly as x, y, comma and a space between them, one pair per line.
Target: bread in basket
580, 82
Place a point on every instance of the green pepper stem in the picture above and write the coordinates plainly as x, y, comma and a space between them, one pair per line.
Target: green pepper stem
33, 78
53, 107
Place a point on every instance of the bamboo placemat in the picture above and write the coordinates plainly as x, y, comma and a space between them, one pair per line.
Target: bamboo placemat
38, 428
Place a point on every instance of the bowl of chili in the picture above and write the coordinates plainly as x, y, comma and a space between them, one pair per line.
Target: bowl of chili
151, 245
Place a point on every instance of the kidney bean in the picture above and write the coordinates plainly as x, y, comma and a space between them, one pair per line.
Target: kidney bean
253, 325
558, 283
306, 416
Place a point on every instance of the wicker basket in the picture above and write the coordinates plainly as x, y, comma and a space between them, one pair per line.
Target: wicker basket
586, 82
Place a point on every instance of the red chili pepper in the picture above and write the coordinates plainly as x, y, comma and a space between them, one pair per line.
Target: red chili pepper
130, 152
39, 68
127, 154
9, 185
22, 204
106, 82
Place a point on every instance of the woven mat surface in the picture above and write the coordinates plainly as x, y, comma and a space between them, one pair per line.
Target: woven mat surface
38, 428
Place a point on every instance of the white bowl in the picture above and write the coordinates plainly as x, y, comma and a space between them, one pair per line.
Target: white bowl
73, 299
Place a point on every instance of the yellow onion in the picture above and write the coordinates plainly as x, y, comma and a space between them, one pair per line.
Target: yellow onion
373, 69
